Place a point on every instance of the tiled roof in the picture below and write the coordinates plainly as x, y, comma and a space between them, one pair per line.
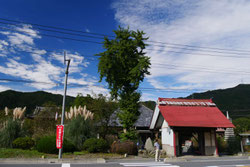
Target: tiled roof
143, 120
192, 113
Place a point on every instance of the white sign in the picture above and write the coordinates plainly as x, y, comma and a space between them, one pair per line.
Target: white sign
178, 103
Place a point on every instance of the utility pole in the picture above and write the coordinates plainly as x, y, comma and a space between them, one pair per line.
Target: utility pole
64, 97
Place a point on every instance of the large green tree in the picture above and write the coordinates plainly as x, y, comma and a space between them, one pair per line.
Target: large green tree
103, 108
242, 125
124, 65
81, 100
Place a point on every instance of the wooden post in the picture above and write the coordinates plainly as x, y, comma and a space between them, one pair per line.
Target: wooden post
216, 144
241, 145
174, 144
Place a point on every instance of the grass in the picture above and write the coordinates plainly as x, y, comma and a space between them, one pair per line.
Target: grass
19, 153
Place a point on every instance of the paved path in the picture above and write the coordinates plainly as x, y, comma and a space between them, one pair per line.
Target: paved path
195, 162
148, 164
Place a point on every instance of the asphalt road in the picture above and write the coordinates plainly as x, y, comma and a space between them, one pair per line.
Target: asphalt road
231, 162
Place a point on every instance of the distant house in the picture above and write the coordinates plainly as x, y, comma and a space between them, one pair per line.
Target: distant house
141, 125
188, 126
50, 114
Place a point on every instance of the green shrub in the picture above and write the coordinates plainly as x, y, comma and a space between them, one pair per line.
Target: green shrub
246, 148
47, 144
10, 132
94, 145
222, 144
23, 143
242, 125
233, 145
78, 130
102, 145
129, 135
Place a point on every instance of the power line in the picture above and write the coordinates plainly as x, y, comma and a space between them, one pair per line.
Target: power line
54, 36
28, 81
68, 33
105, 35
87, 41
199, 67
200, 71
87, 57
95, 42
200, 47
89, 85
204, 54
165, 65
88, 36
202, 50
100, 43
54, 27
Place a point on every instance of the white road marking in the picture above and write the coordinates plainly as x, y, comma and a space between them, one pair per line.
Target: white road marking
65, 165
149, 164
248, 165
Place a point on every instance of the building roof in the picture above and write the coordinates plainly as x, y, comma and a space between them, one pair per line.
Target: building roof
143, 120
192, 113
245, 133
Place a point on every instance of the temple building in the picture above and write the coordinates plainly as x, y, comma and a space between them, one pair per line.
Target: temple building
188, 126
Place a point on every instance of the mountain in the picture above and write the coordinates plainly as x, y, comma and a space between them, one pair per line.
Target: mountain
12, 99
235, 100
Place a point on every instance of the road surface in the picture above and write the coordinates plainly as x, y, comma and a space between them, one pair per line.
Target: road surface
220, 162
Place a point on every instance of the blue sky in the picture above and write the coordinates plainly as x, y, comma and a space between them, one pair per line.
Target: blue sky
205, 45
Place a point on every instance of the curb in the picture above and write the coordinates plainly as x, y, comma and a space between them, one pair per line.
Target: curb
203, 159
52, 161
175, 160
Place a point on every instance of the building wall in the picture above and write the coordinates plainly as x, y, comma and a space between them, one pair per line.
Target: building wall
210, 145
154, 118
167, 136
169, 150
167, 139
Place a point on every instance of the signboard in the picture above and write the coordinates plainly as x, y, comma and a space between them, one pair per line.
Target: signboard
247, 141
59, 136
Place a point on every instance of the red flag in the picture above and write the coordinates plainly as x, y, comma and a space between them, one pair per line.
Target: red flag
59, 136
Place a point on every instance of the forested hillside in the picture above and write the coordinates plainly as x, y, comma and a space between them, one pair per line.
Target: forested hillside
12, 99
236, 100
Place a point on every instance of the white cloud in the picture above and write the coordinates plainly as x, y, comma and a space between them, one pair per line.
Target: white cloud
77, 61
3, 88
41, 73
79, 81
41, 69
25, 35
18, 39
156, 84
148, 96
37, 55
208, 23
84, 90
29, 31
3, 45
3, 42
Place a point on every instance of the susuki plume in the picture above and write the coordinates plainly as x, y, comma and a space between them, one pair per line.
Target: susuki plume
82, 111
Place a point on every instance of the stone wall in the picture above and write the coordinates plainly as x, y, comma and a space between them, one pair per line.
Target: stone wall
169, 149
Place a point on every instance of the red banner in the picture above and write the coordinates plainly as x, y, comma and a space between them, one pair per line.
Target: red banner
59, 136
